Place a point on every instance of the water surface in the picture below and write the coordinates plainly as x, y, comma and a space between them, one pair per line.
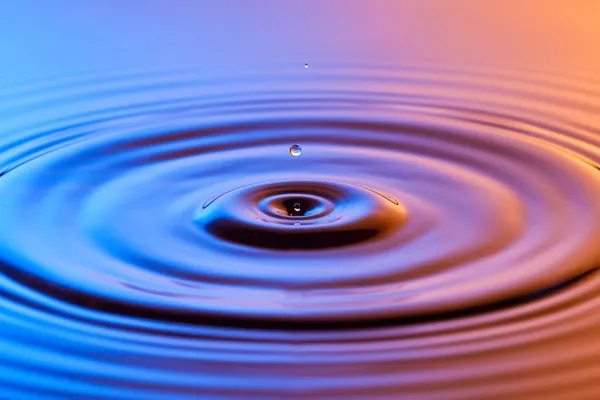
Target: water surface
436, 239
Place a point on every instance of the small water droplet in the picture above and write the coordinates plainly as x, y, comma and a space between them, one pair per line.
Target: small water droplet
305, 65
297, 207
296, 150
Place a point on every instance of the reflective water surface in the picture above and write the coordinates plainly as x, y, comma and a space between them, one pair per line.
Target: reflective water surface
161, 236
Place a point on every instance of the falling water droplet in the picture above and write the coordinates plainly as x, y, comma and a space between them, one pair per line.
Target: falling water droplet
296, 150
297, 207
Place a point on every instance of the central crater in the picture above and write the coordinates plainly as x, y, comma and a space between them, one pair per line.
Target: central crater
296, 205
300, 215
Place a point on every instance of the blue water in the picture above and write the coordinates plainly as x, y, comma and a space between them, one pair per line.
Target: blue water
436, 239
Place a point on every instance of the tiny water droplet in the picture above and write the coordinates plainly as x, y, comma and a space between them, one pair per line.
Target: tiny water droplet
305, 65
296, 150
297, 207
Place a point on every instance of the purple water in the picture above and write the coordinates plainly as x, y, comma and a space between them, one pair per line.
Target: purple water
437, 238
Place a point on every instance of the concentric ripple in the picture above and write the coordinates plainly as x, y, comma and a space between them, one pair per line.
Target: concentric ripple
437, 239
302, 215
